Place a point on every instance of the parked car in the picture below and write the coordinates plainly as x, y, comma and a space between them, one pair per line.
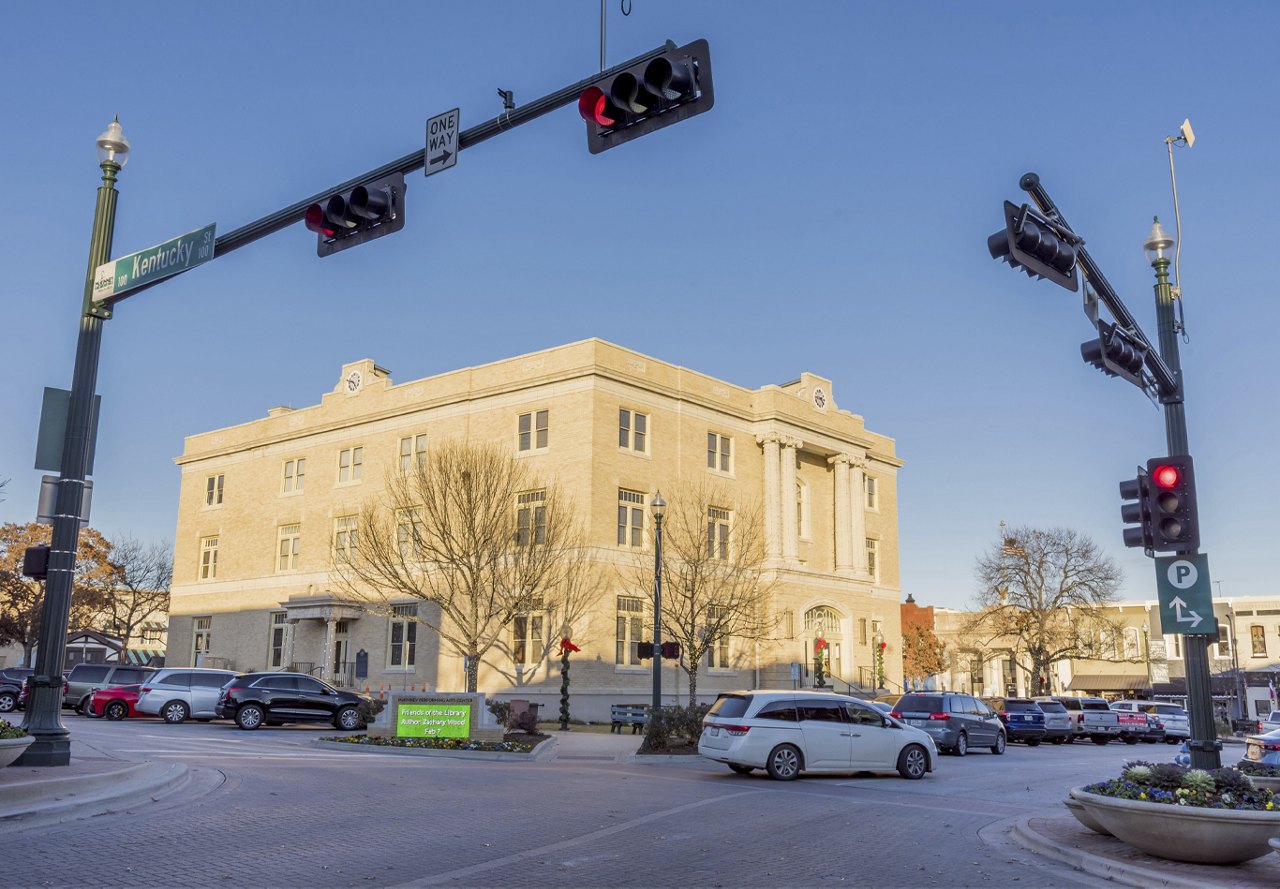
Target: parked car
11, 687
85, 679
1155, 733
180, 693
26, 690
789, 732
115, 703
1177, 722
252, 699
1091, 717
956, 722
1022, 717
1058, 724
1263, 749
881, 706
889, 699
1271, 723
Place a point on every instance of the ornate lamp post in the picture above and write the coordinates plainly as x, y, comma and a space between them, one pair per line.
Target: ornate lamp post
659, 509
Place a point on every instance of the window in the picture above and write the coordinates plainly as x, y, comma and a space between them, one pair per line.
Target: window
213, 491
1131, 647
802, 511
409, 533
413, 453
780, 711
295, 471
276, 640
531, 519
532, 431
821, 711
630, 517
345, 533
1175, 646
633, 430
1107, 644
1224, 640
290, 540
630, 629
201, 639
527, 647
871, 558
862, 631
1258, 637
349, 463
873, 497
717, 533
718, 651
719, 452
209, 558
402, 637
152, 634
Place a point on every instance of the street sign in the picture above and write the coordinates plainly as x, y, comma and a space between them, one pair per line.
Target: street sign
129, 272
1186, 596
442, 143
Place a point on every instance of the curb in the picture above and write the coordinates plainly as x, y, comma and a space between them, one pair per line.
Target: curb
55, 800
543, 751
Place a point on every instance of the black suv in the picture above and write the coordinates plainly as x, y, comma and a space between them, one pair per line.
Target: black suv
1023, 719
11, 687
276, 698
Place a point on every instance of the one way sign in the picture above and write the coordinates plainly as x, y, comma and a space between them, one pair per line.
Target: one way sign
442, 143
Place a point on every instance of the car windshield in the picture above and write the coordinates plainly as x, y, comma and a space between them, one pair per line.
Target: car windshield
730, 706
920, 704
1013, 705
1094, 705
1051, 707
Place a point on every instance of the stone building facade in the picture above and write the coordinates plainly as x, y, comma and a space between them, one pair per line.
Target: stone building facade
264, 507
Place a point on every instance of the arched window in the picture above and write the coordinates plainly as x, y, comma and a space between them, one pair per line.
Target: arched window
824, 619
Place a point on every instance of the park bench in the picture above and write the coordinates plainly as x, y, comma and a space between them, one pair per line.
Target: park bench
634, 715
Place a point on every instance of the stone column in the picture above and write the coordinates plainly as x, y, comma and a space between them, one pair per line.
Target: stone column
772, 515
857, 514
330, 625
291, 630
844, 534
790, 525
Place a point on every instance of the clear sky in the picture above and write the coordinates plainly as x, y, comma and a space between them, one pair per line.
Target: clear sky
830, 214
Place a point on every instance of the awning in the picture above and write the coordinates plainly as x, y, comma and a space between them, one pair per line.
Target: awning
1107, 682
144, 656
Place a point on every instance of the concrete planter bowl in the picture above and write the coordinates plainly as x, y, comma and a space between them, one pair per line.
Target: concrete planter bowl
1076, 808
1184, 833
12, 748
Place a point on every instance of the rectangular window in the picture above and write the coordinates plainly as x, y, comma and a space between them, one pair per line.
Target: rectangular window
1224, 640
531, 519
290, 540
717, 533
630, 518
402, 637
630, 629
213, 491
871, 558
413, 453
349, 462
409, 533
201, 639
718, 651
526, 643
1258, 637
862, 631
209, 558
276, 643
633, 430
345, 532
873, 497
295, 472
532, 430
719, 451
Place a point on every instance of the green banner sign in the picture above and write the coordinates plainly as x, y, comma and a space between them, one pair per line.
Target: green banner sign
433, 721
129, 272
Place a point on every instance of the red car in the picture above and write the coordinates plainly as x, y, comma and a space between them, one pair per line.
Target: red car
115, 703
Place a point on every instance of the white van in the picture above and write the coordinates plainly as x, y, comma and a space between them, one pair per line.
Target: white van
181, 693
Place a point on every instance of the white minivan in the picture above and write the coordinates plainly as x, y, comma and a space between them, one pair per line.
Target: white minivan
181, 693
789, 732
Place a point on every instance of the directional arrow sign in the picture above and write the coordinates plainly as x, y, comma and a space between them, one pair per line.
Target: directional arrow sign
442, 143
1186, 601
177, 255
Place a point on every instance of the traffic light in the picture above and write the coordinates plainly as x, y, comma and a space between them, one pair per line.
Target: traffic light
1172, 492
671, 650
1116, 352
1030, 243
662, 90
35, 562
1138, 511
644, 650
352, 217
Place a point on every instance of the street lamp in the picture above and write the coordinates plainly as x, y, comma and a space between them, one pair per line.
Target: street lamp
52, 744
1146, 655
659, 508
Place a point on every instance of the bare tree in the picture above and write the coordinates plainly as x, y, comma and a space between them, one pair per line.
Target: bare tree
474, 534
714, 587
1044, 595
139, 590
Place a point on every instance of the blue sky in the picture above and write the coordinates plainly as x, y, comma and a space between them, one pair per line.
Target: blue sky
829, 214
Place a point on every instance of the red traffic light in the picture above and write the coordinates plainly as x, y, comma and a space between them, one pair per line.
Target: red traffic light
315, 220
595, 107
1166, 477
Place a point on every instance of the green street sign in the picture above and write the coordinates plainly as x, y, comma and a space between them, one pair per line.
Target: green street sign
129, 272
1186, 597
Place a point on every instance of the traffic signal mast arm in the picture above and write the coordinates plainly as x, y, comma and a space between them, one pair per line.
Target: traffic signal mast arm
1170, 390
415, 160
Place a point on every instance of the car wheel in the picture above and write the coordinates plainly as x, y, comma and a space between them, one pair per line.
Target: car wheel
1130, 739
912, 762
1033, 742
1069, 739
998, 747
347, 718
86, 708
783, 763
1100, 740
962, 745
175, 712
116, 710
741, 770
249, 717
8, 702
1057, 740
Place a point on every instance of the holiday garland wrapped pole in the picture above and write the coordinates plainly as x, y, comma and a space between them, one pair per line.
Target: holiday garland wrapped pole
566, 646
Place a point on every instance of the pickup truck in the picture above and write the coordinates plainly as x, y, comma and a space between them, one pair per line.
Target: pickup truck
1093, 718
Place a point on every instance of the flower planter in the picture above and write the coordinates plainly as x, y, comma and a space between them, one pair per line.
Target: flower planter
1076, 808
1272, 784
12, 748
1184, 833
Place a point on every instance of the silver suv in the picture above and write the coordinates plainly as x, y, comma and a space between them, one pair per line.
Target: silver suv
181, 693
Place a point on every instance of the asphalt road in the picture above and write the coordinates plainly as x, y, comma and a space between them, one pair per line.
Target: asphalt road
265, 808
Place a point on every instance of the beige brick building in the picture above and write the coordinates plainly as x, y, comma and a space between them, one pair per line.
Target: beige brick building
265, 505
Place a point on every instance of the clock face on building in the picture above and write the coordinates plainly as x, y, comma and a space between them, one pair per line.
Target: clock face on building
353, 382
819, 398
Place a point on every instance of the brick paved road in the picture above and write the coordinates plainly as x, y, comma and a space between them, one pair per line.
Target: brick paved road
265, 809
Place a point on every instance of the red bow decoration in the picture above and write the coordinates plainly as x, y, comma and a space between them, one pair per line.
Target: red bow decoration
819, 644
566, 645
